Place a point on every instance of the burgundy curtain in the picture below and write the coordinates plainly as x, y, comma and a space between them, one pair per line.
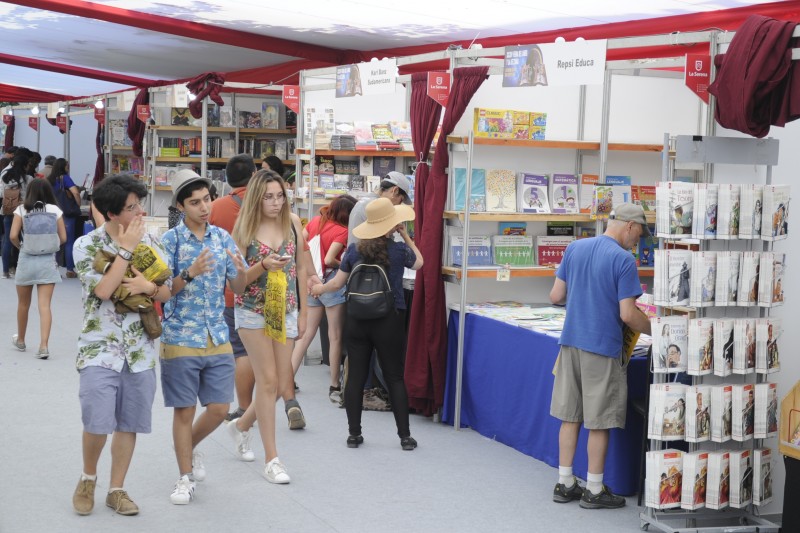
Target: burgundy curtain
427, 338
9, 139
99, 166
137, 128
208, 84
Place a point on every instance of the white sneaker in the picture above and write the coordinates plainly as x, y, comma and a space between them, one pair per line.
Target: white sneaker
242, 440
276, 472
183, 492
198, 468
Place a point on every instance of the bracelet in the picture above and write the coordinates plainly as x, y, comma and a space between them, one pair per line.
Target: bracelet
155, 291
262, 264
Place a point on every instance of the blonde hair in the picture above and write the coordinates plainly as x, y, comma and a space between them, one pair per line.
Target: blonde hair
252, 215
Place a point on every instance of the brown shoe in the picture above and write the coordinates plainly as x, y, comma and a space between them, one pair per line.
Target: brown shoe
71, 274
83, 498
121, 503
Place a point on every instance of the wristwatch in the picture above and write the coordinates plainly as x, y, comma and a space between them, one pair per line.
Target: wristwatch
185, 276
127, 255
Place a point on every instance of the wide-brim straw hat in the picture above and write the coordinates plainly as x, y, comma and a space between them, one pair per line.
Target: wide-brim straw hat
382, 216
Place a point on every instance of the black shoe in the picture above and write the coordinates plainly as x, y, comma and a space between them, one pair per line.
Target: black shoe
233, 415
354, 440
562, 494
604, 500
408, 443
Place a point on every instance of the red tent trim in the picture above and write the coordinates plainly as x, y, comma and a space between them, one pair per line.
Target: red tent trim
72, 70
12, 93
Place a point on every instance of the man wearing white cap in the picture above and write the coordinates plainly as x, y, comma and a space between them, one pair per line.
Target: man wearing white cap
395, 186
599, 283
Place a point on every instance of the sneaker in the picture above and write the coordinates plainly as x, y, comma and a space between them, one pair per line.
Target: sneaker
6, 275
198, 468
353, 441
121, 503
373, 402
71, 274
242, 440
296, 418
335, 394
408, 443
604, 500
296, 387
18, 345
233, 415
183, 492
562, 494
83, 497
276, 472
43, 353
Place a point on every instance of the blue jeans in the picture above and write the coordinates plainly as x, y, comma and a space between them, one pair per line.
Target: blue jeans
69, 224
8, 248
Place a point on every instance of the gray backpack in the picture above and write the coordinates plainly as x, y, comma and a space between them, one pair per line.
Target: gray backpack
40, 231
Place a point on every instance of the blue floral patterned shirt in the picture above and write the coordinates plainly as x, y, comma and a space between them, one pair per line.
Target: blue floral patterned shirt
196, 312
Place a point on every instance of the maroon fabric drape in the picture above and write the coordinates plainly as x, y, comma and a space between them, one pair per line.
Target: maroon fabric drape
427, 337
9, 139
425, 114
100, 165
208, 84
136, 127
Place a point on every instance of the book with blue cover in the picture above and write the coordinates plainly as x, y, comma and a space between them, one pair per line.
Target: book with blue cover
479, 250
477, 201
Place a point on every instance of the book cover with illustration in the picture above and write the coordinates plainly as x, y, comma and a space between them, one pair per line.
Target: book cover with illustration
501, 191
680, 274
721, 412
718, 480
675, 209
382, 132
670, 343
119, 132
602, 201
768, 333
249, 119
381, 166
664, 479
766, 410
667, 416
775, 213
744, 412
741, 463
750, 212
770, 285
479, 250
728, 211
619, 180
762, 476
226, 117
564, 194
704, 224
477, 201
723, 346
271, 115
646, 250
744, 345
550, 249
695, 472
532, 193
181, 116
704, 280
698, 413
513, 250
645, 196
727, 290
512, 228
701, 347
588, 181
749, 275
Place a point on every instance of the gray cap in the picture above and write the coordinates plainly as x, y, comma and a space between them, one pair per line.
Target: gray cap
401, 181
183, 178
630, 213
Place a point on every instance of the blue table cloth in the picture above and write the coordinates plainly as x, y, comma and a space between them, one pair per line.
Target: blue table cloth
507, 384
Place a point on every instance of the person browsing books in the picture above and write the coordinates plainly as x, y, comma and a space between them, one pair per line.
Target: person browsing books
599, 283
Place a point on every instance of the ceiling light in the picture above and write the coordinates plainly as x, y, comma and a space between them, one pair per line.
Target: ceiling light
579, 39
11, 112
61, 109
99, 104
190, 96
35, 110
560, 40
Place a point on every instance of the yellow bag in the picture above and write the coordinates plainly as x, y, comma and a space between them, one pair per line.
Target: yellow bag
275, 306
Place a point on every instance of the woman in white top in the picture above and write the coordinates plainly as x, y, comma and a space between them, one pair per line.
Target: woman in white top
38, 270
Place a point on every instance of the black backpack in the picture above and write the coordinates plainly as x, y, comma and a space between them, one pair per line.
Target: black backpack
368, 292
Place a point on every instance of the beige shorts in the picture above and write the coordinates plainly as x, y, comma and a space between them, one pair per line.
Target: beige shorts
589, 388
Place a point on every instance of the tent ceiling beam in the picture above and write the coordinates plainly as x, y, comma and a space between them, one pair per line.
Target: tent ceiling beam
73, 70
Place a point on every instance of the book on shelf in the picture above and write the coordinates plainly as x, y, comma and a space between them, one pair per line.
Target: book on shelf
680, 276
373, 184
401, 130
741, 463
770, 283
381, 166
718, 480
291, 118
645, 256
704, 223
664, 479
412, 186
501, 191
723, 346
602, 201
619, 180
271, 115
559, 228
346, 166
512, 228
564, 194
249, 119
181, 116
226, 117
382, 132
363, 132
670, 343
477, 197
727, 289
766, 420
768, 333
695, 472
532, 193
586, 193
290, 146
212, 116
479, 250
762, 476
118, 127
700, 355
750, 212
744, 345
280, 149
728, 211
721, 412
550, 249
667, 413
744, 412
228, 148
512, 250
775, 212
749, 267
704, 279
674, 209
698, 413
644, 195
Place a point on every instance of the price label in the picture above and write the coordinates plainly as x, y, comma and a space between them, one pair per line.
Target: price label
504, 274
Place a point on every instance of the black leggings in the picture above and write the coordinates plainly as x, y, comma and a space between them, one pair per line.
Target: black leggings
388, 337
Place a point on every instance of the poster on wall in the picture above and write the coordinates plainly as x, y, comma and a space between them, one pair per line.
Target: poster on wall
697, 74
375, 77
576, 63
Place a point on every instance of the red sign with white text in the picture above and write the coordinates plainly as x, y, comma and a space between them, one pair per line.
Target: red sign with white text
697, 74
143, 112
100, 115
61, 122
291, 97
33, 122
439, 86
7, 119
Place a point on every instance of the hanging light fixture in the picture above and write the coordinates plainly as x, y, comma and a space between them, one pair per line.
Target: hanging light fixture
99, 104
35, 110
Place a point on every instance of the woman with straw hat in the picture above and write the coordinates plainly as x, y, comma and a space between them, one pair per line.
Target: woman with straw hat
385, 334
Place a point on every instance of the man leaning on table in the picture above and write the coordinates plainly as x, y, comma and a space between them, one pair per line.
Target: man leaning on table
599, 284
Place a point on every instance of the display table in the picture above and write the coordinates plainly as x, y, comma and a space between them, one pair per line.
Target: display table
507, 383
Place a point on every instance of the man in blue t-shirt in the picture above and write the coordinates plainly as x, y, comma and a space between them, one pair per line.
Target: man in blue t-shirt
599, 284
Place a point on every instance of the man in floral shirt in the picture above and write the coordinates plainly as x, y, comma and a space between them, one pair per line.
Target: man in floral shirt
196, 355
116, 359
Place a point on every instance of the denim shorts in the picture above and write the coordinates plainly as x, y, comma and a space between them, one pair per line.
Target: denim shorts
249, 320
186, 379
329, 299
236, 342
116, 401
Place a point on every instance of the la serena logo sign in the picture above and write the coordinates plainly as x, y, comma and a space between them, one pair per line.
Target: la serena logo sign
697, 74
